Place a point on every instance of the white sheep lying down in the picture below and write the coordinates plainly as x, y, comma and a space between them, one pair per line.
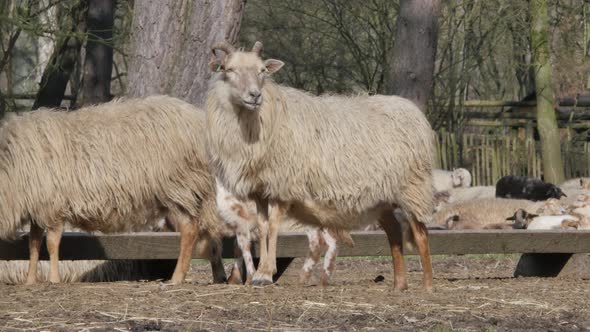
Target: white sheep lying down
114, 167
490, 213
328, 161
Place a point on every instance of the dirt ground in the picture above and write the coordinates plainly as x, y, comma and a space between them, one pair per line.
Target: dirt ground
472, 293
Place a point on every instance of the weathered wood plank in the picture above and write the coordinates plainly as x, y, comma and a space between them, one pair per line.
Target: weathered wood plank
77, 246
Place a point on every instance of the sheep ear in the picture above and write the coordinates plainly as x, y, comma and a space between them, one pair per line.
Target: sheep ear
273, 65
511, 218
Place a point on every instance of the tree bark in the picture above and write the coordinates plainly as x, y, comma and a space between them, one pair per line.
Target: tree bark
98, 65
63, 60
546, 119
172, 45
412, 68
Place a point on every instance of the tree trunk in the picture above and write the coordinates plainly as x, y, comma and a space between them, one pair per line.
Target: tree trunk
546, 120
172, 45
96, 84
63, 60
412, 69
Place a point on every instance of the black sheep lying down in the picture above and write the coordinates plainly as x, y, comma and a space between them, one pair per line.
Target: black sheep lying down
524, 187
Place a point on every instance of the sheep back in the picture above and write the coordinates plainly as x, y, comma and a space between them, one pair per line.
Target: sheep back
104, 168
347, 154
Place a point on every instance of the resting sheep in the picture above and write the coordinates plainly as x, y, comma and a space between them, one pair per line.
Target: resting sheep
532, 221
578, 183
328, 161
446, 180
489, 213
512, 186
114, 167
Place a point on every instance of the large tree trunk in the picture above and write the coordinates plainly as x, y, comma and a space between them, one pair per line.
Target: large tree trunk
63, 60
412, 64
96, 84
172, 45
546, 121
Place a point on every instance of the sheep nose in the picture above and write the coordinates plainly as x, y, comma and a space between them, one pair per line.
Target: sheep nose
255, 94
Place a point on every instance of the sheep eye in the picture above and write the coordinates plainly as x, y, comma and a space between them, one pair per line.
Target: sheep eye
229, 70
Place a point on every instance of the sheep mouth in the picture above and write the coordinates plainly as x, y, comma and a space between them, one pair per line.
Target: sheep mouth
252, 106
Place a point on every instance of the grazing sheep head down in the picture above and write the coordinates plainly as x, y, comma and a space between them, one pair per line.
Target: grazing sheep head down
244, 73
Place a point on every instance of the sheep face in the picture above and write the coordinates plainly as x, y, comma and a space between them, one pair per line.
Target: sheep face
244, 74
555, 192
461, 178
522, 218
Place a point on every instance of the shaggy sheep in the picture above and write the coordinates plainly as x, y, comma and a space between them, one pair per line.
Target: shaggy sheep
239, 218
110, 168
329, 161
512, 186
446, 180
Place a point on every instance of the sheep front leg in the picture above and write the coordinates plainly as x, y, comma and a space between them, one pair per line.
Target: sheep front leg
394, 234
268, 262
262, 276
188, 238
35, 237
53, 240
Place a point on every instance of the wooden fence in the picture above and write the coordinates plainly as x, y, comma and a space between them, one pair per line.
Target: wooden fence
489, 157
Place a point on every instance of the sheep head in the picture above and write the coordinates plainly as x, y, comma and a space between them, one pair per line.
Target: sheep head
555, 192
522, 218
244, 73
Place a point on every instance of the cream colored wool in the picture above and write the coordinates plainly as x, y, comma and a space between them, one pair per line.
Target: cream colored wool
114, 167
334, 158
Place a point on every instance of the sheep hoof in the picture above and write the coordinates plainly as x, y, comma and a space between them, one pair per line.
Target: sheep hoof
30, 282
400, 287
222, 280
235, 277
261, 281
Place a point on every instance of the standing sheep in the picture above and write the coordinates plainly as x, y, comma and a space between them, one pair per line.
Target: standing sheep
329, 161
114, 167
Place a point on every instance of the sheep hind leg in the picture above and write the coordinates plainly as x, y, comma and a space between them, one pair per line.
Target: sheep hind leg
188, 238
53, 240
313, 256
329, 257
35, 237
420, 234
393, 230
